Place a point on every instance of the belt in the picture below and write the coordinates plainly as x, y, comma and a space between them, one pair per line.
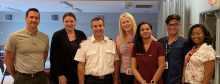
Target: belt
30, 75
100, 77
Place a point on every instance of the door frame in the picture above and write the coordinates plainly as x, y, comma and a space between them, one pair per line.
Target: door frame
217, 62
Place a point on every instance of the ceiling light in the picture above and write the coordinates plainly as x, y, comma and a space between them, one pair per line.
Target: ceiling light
66, 4
126, 5
78, 9
13, 9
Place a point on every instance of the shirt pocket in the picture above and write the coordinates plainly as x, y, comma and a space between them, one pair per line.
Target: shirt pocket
110, 55
90, 56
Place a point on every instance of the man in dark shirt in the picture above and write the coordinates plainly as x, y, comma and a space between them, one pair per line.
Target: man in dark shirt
176, 49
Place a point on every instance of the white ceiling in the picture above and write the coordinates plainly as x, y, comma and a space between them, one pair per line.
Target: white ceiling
106, 6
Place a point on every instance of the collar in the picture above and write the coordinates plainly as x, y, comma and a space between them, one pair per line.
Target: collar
30, 33
93, 39
204, 44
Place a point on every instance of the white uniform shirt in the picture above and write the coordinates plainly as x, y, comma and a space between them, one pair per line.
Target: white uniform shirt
99, 57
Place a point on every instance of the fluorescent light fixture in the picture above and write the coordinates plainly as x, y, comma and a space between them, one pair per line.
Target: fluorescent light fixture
13, 9
78, 9
126, 5
66, 4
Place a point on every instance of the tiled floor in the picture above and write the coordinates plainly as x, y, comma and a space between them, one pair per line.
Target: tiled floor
9, 79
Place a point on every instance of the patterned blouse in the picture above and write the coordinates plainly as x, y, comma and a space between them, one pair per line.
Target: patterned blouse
126, 58
195, 70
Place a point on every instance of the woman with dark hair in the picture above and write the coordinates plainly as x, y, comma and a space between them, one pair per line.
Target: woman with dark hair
124, 44
200, 61
148, 57
65, 43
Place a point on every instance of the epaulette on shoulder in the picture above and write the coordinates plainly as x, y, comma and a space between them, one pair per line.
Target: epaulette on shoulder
83, 40
111, 39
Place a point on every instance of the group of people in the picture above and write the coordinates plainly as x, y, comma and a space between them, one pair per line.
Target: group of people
135, 58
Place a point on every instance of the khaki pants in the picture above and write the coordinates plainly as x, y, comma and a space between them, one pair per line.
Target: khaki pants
21, 79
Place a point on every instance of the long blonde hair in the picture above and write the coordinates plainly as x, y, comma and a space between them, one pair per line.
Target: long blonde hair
122, 33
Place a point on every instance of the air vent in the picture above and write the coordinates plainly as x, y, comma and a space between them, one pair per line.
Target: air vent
144, 6
55, 17
101, 16
8, 17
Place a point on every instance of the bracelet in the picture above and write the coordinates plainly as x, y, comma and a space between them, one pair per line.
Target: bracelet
143, 82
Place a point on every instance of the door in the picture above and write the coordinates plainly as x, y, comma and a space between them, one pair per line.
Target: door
211, 21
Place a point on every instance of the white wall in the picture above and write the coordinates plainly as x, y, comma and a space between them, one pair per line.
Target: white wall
197, 6
83, 23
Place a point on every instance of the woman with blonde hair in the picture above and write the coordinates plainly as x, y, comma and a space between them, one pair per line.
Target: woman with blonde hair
124, 42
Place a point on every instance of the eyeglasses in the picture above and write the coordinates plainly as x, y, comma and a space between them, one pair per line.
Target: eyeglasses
197, 34
174, 25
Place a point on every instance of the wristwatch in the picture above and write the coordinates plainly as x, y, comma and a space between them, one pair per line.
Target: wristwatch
152, 81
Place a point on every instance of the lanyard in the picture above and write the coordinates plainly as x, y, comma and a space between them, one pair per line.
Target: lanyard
191, 53
167, 51
130, 44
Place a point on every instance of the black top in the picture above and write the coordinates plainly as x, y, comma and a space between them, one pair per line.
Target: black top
61, 56
75, 46
175, 58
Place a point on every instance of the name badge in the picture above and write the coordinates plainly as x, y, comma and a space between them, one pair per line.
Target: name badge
128, 71
139, 54
166, 65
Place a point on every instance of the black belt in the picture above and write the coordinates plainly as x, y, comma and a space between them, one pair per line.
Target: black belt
30, 75
99, 77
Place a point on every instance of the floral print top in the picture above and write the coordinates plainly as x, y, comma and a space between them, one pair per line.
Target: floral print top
195, 70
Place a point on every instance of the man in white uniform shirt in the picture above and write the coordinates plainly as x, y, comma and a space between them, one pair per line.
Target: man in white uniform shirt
97, 57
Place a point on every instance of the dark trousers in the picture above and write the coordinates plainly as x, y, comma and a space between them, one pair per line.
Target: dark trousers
21, 79
126, 79
89, 79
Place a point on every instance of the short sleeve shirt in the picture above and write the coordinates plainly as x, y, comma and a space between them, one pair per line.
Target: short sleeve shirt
147, 62
195, 70
175, 59
28, 49
99, 57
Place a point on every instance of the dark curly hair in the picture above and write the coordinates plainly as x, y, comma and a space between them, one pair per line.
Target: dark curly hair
208, 39
138, 42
